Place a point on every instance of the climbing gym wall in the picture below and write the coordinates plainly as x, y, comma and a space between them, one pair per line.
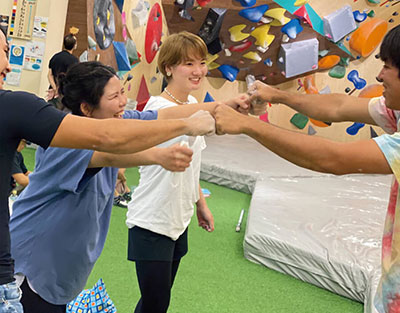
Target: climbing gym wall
304, 46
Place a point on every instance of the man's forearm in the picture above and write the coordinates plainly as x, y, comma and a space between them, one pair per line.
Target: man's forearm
115, 136
319, 154
320, 107
310, 152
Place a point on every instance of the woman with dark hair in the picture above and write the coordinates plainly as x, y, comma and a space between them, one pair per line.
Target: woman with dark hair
61, 220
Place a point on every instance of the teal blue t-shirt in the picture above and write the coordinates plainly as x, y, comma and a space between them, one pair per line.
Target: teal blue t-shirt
60, 221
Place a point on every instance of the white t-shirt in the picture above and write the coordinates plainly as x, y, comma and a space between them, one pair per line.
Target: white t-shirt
163, 202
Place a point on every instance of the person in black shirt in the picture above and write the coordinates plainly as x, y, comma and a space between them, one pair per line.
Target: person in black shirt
58, 64
23, 115
19, 172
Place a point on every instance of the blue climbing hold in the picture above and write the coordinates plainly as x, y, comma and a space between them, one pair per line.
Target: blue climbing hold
373, 132
208, 98
353, 129
292, 28
229, 72
358, 82
247, 3
268, 62
254, 14
359, 16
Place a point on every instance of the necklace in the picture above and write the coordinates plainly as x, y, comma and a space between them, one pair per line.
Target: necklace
175, 99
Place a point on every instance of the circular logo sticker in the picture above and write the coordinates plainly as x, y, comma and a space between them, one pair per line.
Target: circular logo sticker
17, 51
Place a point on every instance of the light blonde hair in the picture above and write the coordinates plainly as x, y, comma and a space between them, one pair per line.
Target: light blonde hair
178, 48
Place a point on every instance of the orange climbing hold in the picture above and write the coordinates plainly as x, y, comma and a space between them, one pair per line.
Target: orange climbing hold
309, 84
328, 61
368, 36
371, 91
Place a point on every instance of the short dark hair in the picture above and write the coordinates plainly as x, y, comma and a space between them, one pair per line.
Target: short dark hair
84, 83
390, 48
69, 42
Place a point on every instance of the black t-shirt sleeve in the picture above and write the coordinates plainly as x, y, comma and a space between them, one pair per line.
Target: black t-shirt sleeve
51, 63
18, 166
32, 118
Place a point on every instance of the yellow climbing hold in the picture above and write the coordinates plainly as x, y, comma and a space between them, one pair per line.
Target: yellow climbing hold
261, 34
253, 56
236, 33
213, 66
108, 15
211, 58
278, 14
299, 3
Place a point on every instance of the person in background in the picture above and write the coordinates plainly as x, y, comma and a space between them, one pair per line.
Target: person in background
122, 193
19, 172
59, 63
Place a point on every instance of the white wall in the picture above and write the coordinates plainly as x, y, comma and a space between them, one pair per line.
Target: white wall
56, 11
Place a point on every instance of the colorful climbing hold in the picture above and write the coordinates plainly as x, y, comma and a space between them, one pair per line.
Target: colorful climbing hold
371, 13
254, 14
328, 62
278, 14
268, 62
311, 131
299, 120
355, 78
337, 72
264, 117
303, 14
212, 66
373, 132
359, 16
208, 98
344, 61
309, 85
241, 47
371, 91
323, 53
368, 36
229, 72
263, 39
353, 129
300, 2
247, 3
292, 28
203, 3
211, 58
253, 56
237, 34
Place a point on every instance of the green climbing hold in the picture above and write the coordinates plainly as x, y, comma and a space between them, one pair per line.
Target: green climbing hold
299, 120
337, 72
323, 53
344, 61
371, 13
374, 1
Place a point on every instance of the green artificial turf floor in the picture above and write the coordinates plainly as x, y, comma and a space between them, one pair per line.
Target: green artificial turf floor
214, 276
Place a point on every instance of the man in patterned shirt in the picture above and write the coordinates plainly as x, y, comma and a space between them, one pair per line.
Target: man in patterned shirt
380, 155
